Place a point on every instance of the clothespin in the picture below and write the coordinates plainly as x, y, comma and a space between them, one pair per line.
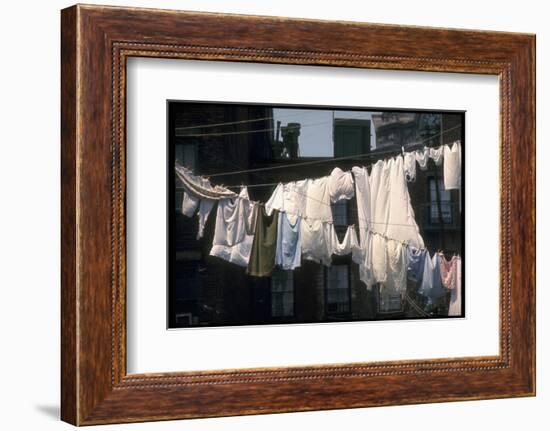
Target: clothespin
403, 150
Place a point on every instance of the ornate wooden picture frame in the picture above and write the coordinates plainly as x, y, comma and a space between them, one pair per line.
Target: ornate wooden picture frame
96, 41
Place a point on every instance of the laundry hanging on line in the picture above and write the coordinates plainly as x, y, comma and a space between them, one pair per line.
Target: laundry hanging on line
304, 228
448, 155
235, 229
451, 278
199, 193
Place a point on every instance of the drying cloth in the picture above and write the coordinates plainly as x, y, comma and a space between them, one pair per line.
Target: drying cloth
363, 196
318, 200
455, 304
396, 280
422, 157
450, 278
348, 245
264, 246
431, 286
234, 232
409, 165
197, 188
415, 267
200, 187
340, 185
392, 212
379, 258
189, 205
289, 245
436, 154
452, 166
316, 237
289, 197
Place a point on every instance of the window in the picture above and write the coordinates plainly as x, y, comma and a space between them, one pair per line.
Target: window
185, 301
444, 203
282, 293
187, 155
338, 289
351, 137
340, 213
389, 302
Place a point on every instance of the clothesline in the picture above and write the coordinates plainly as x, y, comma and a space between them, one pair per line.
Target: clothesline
334, 159
369, 222
241, 132
228, 123
293, 165
277, 183
314, 218
309, 217
366, 229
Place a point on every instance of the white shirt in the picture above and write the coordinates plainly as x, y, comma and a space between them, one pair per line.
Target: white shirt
315, 238
452, 166
317, 204
289, 245
289, 198
234, 232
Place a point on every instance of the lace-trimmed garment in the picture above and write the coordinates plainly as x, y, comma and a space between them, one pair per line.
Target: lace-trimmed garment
451, 278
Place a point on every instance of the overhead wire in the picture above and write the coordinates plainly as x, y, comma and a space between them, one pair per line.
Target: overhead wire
320, 201
247, 132
332, 159
253, 120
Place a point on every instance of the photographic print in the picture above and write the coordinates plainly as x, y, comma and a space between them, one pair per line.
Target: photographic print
286, 214
271, 221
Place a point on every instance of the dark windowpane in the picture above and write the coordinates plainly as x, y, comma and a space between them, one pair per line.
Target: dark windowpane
338, 289
282, 293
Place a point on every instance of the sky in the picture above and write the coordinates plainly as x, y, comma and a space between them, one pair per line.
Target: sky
316, 128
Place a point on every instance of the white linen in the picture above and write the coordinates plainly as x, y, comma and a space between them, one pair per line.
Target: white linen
422, 157
409, 165
318, 200
396, 280
340, 185
290, 198
315, 238
189, 204
452, 166
349, 243
234, 232
401, 223
436, 154
289, 244
362, 256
